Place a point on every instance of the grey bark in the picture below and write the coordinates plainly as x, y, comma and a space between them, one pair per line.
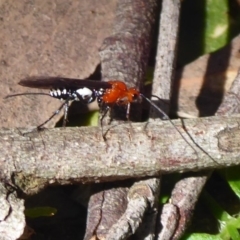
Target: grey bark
62, 156
229, 106
12, 219
163, 82
124, 56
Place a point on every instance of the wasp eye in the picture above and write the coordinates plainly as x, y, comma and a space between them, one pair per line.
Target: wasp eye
136, 98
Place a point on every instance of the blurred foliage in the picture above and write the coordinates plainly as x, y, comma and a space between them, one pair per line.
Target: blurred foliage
206, 26
40, 212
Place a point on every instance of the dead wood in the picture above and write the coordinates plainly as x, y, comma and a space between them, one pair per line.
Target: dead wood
62, 156
45, 38
162, 87
124, 56
193, 185
11, 214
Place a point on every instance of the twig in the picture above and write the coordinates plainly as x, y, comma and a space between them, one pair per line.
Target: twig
61, 155
124, 56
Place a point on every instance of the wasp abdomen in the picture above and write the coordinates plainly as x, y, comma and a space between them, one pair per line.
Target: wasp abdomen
84, 94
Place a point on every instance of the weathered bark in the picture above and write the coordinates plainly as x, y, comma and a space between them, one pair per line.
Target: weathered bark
44, 38
166, 52
195, 184
124, 56
62, 156
184, 196
141, 197
163, 79
12, 219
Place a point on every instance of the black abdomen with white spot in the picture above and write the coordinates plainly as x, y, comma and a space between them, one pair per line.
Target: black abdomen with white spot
84, 95
69, 89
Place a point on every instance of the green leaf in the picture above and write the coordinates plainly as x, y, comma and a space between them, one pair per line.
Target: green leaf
232, 176
219, 213
216, 24
201, 236
93, 118
40, 212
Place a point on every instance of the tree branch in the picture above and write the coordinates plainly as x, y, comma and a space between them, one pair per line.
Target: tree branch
164, 76
64, 155
124, 56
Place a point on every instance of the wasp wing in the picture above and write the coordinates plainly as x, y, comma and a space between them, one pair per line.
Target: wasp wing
61, 83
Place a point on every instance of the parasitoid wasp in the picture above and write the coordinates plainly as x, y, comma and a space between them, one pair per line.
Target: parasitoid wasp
107, 94
86, 91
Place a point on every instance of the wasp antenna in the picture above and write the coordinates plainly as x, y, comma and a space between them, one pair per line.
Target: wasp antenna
155, 106
165, 115
23, 94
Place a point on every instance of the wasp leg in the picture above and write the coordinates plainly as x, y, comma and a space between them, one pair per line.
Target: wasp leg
53, 115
